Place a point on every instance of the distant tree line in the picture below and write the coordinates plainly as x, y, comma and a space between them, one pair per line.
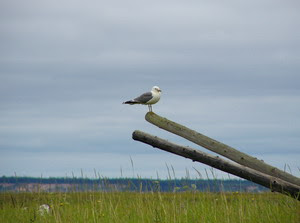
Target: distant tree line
132, 184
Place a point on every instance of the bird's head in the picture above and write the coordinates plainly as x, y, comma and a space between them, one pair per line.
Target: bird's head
157, 89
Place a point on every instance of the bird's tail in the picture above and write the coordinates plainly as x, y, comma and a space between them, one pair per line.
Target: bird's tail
131, 102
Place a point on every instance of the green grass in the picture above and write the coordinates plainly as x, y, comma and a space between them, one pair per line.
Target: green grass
149, 207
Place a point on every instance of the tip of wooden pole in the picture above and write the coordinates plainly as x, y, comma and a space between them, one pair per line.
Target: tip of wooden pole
148, 114
134, 134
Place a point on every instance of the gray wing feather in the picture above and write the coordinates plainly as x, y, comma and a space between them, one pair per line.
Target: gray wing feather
144, 98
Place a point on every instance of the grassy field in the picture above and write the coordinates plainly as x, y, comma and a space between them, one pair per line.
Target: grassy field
149, 207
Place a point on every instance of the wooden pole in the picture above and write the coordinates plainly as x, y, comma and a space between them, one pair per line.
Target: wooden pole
220, 148
275, 184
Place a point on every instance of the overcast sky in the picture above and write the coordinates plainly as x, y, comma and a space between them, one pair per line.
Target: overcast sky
228, 69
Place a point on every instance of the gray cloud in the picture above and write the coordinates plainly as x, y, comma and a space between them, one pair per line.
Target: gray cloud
66, 67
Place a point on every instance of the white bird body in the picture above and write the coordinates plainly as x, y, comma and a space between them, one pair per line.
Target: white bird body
148, 98
155, 96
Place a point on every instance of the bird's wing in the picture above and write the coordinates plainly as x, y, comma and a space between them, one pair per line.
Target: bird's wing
144, 98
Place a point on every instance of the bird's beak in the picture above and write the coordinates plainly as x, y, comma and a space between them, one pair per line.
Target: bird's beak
159, 90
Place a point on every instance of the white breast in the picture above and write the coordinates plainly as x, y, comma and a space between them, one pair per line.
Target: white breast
156, 97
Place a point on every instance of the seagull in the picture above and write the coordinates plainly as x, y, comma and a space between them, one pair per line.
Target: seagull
148, 98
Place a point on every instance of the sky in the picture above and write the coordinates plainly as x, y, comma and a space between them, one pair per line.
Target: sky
227, 69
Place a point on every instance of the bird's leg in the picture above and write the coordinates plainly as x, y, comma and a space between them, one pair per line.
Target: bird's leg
150, 108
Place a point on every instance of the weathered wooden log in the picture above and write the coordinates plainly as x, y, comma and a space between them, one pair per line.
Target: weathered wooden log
220, 148
273, 183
